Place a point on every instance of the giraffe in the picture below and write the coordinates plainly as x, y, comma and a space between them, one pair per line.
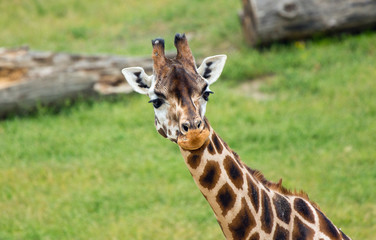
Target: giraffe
246, 205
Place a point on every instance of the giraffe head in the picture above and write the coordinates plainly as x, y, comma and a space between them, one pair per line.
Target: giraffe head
179, 91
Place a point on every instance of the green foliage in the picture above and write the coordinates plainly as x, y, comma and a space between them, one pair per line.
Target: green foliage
99, 170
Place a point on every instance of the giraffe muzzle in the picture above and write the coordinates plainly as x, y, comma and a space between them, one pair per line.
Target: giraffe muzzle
193, 133
193, 139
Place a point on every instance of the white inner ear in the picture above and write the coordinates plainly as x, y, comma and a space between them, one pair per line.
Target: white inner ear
138, 79
211, 68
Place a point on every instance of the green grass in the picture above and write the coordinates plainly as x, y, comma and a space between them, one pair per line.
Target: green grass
99, 170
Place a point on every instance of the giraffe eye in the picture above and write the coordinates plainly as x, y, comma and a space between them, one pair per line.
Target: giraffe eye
157, 102
206, 94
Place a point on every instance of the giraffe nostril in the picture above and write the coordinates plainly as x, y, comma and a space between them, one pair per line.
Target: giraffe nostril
198, 123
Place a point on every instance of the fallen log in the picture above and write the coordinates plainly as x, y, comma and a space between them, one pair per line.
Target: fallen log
29, 78
266, 21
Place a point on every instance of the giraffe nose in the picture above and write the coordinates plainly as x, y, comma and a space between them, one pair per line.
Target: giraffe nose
190, 125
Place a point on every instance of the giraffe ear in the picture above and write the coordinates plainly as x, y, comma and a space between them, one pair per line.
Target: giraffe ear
211, 68
138, 79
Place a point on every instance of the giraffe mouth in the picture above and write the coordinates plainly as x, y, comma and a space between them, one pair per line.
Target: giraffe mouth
194, 139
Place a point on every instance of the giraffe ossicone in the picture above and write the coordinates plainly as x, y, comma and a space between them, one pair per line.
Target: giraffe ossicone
246, 205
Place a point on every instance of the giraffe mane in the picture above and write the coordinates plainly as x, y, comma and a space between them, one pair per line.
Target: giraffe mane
278, 186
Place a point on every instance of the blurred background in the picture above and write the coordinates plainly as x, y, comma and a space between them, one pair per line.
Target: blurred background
95, 168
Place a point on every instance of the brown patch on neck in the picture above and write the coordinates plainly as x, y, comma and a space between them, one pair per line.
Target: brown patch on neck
194, 158
327, 227
267, 213
280, 233
253, 193
304, 210
226, 198
282, 208
301, 231
210, 177
233, 171
217, 143
211, 148
243, 223
255, 236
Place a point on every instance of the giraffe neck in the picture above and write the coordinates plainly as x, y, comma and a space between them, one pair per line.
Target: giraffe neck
246, 205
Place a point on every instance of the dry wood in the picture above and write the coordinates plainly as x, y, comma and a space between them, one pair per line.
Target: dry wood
28, 78
265, 21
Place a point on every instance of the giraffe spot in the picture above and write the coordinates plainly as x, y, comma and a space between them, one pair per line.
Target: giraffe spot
226, 198
243, 223
282, 208
169, 132
304, 210
211, 175
233, 171
217, 143
280, 233
301, 231
194, 160
254, 236
253, 193
162, 132
327, 227
267, 214
211, 149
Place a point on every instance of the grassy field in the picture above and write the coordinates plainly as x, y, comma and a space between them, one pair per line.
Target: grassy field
99, 170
